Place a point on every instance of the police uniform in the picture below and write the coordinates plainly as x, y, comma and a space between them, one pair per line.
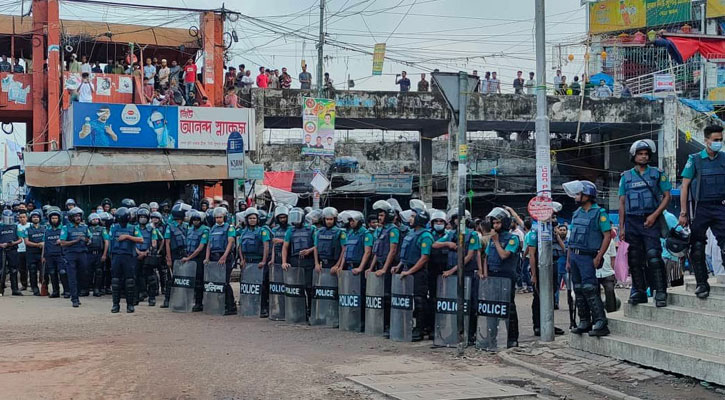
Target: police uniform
123, 262
642, 194
279, 232
194, 238
175, 233
218, 239
386, 236
9, 233
146, 280
416, 244
75, 258
96, 247
302, 238
437, 264
506, 268
707, 193
54, 261
355, 243
329, 243
251, 243
33, 258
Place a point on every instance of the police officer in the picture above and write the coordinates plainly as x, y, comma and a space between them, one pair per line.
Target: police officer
703, 183
204, 206
33, 237
281, 217
220, 249
254, 249
124, 238
9, 240
175, 242
644, 194
358, 246
385, 251
23, 224
439, 254
146, 257
414, 255
329, 243
52, 255
501, 261
106, 205
162, 269
298, 250
372, 223
97, 252
588, 242
69, 205
74, 239
197, 237
106, 222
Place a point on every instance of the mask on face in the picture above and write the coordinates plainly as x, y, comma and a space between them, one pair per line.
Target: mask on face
716, 146
439, 227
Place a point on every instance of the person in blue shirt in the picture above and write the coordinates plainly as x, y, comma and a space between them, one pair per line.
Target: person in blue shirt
175, 242
221, 242
298, 251
439, 253
254, 249
588, 243
358, 245
146, 279
281, 217
9, 240
329, 243
644, 194
97, 252
197, 238
703, 192
33, 237
52, 255
385, 251
123, 240
74, 239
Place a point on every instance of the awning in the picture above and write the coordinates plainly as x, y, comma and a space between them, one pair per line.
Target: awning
75, 168
682, 48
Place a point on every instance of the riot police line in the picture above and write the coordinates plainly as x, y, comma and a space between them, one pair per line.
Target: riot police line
390, 274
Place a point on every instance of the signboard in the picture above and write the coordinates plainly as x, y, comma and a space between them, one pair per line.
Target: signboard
715, 8
664, 83
540, 208
663, 12
393, 183
378, 58
320, 183
141, 126
318, 124
255, 172
617, 15
235, 156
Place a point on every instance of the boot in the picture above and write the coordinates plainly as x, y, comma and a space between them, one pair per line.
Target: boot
582, 308
639, 293
165, 304
131, 298
66, 286
697, 254
14, 284
36, 291
197, 308
56, 286
116, 295
417, 334
596, 307
152, 301
660, 286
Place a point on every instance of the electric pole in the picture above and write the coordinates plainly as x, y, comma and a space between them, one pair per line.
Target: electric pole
320, 44
543, 182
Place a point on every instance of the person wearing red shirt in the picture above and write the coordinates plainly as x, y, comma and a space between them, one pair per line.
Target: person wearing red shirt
262, 79
205, 102
189, 77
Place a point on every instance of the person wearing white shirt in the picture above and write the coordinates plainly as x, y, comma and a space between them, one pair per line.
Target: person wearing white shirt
164, 74
85, 65
712, 251
23, 224
530, 84
605, 276
85, 89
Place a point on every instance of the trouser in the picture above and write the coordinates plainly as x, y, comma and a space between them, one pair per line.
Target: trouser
707, 215
472, 275
77, 274
107, 274
610, 298
264, 294
9, 267
523, 274
95, 270
535, 304
149, 276
34, 264
23, 269
199, 281
228, 292
645, 255
53, 266
140, 279
308, 266
123, 273
585, 282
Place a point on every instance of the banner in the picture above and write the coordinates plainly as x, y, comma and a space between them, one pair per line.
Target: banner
138, 126
378, 58
715, 8
617, 15
664, 83
318, 123
663, 12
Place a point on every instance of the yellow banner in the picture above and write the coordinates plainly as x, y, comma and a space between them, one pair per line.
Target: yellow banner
715, 8
617, 15
378, 58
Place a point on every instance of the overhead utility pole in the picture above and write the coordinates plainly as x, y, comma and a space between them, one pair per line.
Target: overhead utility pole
320, 44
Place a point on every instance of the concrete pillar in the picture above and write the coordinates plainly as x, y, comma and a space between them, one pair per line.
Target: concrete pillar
258, 105
425, 181
40, 113
54, 68
452, 163
213, 78
668, 139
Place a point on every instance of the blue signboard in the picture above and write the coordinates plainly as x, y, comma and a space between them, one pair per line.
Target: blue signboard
124, 125
235, 143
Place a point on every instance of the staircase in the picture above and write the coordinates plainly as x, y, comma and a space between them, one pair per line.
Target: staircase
687, 337
644, 84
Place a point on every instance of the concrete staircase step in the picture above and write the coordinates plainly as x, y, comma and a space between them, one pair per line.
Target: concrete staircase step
667, 335
720, 279
681, 298
678, 317
680, 360
717, 289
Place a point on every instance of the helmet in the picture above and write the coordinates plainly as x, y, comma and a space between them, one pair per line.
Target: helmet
143, 212
417, 203
296, 215
453, 214
314, 216
421, 217
106, 201
384, 206
224, 204
329, 212
344, 217
251, 211
556, 206
8, 217
356, 216
262, 217
394, 203
52, 211
156, 214
123, 215
280, 210
145, 206
75, 211
196, 215
128, 203
678, 242
405, 216
69, 202
179, 211
36, 213
308, 210
220, 212
205, 200
573, 188
154, 205
93, 216
502, 215
133, 211
642, 144
438, 214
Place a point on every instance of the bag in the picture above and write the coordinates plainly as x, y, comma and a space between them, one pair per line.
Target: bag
621, 265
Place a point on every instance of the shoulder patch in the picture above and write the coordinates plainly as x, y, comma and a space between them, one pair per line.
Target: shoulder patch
424, 245
264, 233
473, 240
663, 178
603, 218
392, 234
512, 242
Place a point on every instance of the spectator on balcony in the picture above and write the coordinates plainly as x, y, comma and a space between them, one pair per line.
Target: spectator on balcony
240, 75
423, 84
174, 71
563, 87
118, 68
149, 71
328, 86
5, 64
557, 82
164, 73
485, 82
285, 80
262, 79
17, 68
305, 78
273, 79
148, 90
193, 102
158, 98
73, 64
247, 81
97, 68
603, 90
85, 89
494, 85
403, 81
85, 65
519, 83
230, 99
575, 87
173, 95
229, 77
531, 84
205, 102
477, 87
189, 76
626, 92
108, 69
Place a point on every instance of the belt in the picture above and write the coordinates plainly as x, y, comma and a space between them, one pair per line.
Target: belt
711, 203
584, 252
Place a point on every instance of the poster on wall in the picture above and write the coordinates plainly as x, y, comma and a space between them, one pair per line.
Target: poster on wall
617, 15
103, 86
125, 84
318, 124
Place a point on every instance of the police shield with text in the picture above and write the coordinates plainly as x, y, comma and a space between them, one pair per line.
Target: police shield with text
329, 253
276, 275
123, 239
254, 250
218, 294
703, 190
34, 243
351, 282
385, 256
197, 237
589, 240
298, 263
180, 290
644, 193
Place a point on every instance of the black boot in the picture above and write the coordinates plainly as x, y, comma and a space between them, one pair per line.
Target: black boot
165, 304
596, 307
585, 324
131, 298
197, 308
700, 269
660, 286
152, 301
116, 295
639, 294
14, 284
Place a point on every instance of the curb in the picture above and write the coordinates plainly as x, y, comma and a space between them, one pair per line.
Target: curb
605, 391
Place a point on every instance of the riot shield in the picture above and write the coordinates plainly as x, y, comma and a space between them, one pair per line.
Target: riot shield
494, 297
215, 277
401, 309
276, 293
446, 317
181, 298
350, 301
374, 304
250, 292
324, 299
295, 309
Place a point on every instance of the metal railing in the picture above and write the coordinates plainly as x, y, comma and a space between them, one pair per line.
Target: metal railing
683, 74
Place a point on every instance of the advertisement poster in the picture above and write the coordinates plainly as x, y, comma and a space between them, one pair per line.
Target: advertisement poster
208, 128
125, 84
617, 15
103, 86
715, 8
663, 12
318, 124
378, 58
